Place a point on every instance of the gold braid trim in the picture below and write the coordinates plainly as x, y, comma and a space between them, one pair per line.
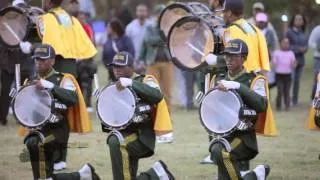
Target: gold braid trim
229, 166
42, 161
125, 156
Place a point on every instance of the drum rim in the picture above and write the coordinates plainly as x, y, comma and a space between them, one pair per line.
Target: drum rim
200, 114
172, 6
175, 60
38, 125
107, 126
21, 11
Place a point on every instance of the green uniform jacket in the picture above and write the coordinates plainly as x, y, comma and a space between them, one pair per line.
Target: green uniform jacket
59, 130
253, 101
151, 96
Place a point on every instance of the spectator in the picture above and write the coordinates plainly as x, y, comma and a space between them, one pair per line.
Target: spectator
117, 41
136, 30
283, 61
314, 43
155, 53
299, 45
261, 20
125, 15
258, 7
87, 68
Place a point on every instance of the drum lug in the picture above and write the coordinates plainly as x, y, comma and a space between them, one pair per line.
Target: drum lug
199, 97
221, 140
242, 126
54, 119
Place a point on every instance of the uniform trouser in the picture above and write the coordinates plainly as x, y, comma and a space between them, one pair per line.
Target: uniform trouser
163, 72
190, 78
229, 162
6, 81
41, 157
296, 83
125, 158
283, 87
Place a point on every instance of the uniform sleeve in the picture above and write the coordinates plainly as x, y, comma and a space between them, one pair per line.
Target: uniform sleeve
40, 26
66, 92
317, 93
255, 98
148, 90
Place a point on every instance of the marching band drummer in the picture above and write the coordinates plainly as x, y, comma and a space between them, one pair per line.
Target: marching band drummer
139, 137
67, 36
42, 143
253, 90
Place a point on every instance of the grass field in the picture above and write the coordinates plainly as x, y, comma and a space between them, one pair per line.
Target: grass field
292, 156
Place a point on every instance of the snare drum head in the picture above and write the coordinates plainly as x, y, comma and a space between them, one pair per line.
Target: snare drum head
13, 21
175, 11
219, 111
32, 107
116, 108
190, 40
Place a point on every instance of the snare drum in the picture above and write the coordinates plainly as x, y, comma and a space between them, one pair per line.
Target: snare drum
219, 112
177, 10
32, 107
17, 24
191, 38
116, 109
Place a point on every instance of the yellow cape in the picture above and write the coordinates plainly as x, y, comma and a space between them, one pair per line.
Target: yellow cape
77, 115
311, 124
162, 120
68, 39
265, 124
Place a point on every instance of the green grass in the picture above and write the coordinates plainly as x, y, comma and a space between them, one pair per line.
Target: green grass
292, 156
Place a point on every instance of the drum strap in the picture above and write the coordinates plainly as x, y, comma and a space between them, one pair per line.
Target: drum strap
57, 17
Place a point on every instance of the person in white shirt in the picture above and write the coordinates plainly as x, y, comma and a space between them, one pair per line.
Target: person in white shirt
137, 28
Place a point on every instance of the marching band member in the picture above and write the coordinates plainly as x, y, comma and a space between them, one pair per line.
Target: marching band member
314, 114
67, 36
139, 137
42, 143
253, 90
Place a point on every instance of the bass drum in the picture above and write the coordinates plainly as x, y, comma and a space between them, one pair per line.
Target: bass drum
175, 11
18, 24
192, 38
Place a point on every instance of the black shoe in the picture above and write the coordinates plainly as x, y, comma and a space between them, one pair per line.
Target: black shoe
170, 175
93, 173
267, 170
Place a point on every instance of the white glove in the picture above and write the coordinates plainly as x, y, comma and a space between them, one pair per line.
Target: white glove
125, 82
46, 84
230, 84
211, 59
16, 2
25, 47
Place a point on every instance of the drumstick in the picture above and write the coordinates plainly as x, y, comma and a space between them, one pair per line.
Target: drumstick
11, 31
195, 48
18, 76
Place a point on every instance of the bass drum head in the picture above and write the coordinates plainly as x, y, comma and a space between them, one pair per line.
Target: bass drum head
13, 21
219, 111
32, 107
115, 108
170, 15
190, 40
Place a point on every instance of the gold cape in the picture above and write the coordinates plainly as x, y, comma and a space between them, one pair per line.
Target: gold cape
162, 120
77, 115
265, 124
68, 39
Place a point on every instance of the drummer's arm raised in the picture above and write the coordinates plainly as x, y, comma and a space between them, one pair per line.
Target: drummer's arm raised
148, 90
256, 97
